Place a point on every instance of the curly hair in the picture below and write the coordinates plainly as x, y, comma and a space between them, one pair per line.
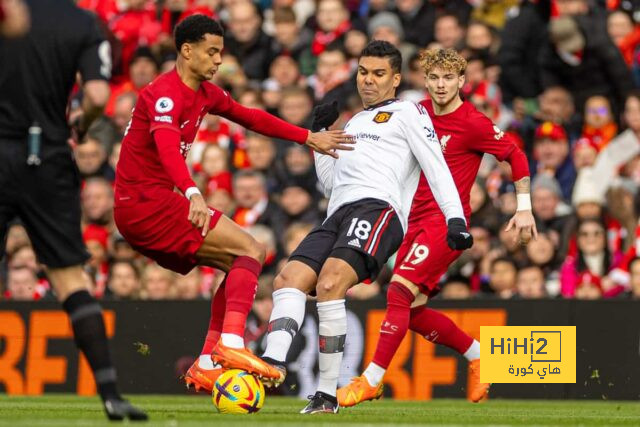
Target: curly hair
447, 59
193, 28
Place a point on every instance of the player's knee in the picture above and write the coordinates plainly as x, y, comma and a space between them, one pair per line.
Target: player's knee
327, 286
281, 281
257, 251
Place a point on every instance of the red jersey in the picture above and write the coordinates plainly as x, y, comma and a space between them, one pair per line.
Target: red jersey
465, 135
167, 103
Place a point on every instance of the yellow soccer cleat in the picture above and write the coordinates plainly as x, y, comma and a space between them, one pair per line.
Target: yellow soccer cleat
202, 379
358, 391
241, 358
477, 391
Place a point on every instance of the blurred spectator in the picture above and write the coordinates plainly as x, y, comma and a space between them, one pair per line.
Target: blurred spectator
599, 125
551, 157
21, 284
261, 153
214, 169
494, 12
584, 153
592, 257
419, 16
290, 39
157, 283
115, 155
332, 71
502, 279
332, 19
530, 282
548, 208
448, 31
123, 110
16, 238
482, 209
480, 39
299, 167
522, 39
143, 68
265, 236
97, 202
295, 107
634, 272
124, 281
624, 33
96, 238
246, 40
188, 287
294, 235
258, 320
588, 287
231, 76
387, 26
122, 250
297, 204
91, 159
253, 204
455, 287
585, 61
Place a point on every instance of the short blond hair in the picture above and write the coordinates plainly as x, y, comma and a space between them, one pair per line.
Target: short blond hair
447, 59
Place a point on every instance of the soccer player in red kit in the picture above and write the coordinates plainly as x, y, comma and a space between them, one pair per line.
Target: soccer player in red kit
424, 256
177, 230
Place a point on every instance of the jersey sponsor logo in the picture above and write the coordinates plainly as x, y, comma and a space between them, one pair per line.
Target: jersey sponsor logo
383, 117
165, 119
164, 104
365, 135
355, 242
443, 141
499, 134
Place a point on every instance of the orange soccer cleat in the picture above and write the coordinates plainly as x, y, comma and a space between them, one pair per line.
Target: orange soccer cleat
358, 391
477, 391
241, 358
202, 379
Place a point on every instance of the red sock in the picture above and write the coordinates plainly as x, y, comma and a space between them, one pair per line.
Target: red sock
242, 282
218, 304
439, 329
395, 324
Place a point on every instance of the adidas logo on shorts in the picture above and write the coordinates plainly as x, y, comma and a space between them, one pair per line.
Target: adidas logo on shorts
355, 242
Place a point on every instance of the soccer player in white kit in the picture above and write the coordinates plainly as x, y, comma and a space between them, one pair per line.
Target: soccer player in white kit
372, 188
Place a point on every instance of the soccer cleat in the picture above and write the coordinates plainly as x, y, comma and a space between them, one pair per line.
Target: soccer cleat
241, 358
202, 379
357, 391
477, 391
280, 367
321, 403
118, 409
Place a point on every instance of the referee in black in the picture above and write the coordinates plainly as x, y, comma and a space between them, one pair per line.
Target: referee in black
39, 181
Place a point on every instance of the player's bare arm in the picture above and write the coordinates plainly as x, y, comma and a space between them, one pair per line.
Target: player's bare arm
523, 221
328, 142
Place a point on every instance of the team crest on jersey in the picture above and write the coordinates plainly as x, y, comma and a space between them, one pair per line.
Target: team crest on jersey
443, 141
382, 117
499, 134
164, 104
185, 148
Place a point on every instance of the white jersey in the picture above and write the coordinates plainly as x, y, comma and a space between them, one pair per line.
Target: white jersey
394, 141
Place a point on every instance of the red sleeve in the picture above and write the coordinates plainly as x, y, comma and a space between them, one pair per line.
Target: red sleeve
519, 164
163, 109
488, 138
168, 143
256, 120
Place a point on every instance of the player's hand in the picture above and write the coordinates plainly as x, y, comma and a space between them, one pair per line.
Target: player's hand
324, 115
199, 215
329, 141
458, 236
525, 226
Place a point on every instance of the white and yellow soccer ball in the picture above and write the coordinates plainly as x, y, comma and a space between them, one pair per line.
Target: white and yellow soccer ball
238, 392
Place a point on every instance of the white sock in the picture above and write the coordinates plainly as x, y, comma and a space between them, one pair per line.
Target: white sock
473, 352
205, 362
374, 374
332, 316
232, 340
285, 322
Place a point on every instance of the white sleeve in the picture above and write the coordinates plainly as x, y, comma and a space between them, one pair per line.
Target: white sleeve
324, 170
424, 144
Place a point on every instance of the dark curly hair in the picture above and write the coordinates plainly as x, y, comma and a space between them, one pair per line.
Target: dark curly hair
384, 49
193, 28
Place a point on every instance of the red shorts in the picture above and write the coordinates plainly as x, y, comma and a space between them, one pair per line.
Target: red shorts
424, 255
156, 225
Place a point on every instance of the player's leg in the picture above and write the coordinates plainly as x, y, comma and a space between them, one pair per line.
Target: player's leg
50, 211
203, 373
292, 285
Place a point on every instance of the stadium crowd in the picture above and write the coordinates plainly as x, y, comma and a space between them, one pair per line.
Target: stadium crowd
562, 77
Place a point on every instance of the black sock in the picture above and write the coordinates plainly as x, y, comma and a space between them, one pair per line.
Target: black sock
91, 337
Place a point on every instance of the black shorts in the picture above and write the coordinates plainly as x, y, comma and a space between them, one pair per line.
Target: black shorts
364, 233
46, 198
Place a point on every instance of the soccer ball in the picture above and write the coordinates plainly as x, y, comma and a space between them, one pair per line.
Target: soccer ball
238, 392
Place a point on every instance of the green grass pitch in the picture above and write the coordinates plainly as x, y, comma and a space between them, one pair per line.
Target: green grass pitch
170, 411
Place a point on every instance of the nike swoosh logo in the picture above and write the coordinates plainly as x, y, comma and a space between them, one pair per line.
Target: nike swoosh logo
386, 332
404, 267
